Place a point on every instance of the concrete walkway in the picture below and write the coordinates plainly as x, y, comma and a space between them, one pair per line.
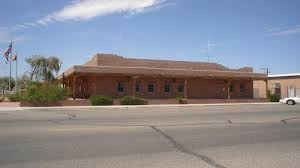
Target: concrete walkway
15, 106
9, 104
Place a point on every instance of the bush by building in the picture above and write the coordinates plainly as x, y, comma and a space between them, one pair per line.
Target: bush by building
182, 100
43, 94
128, 100
1, 99
101, 101
15, 97
273, 97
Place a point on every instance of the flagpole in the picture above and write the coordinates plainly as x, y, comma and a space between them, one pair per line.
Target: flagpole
16, 58
9, 57
9, 82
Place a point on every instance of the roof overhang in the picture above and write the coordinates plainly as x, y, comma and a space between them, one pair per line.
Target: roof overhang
161, 72
284, 75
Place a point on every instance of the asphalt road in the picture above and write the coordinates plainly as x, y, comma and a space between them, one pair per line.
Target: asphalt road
243, 136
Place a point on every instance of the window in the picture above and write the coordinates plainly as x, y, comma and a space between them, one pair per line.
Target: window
242, 88
151, 88
137, 88
167, 88
231, 88
120, 87
180, 88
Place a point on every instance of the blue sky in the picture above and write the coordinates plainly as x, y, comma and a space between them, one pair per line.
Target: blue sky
257, 33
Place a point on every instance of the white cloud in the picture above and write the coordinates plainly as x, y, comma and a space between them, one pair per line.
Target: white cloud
88, 9
153, 8
79, 10
286, 32
283, 31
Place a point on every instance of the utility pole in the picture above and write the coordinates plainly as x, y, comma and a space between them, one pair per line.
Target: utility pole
267, 70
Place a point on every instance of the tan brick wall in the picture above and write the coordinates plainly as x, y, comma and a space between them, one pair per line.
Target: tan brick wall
285, 84
218, 89
248, 89
197, 88
205, 88
259, 89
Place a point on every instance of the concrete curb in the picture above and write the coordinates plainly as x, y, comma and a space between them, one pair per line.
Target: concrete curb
11, 109
143, 106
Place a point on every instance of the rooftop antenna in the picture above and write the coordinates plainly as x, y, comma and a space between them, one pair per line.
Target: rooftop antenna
208, 47
266, 70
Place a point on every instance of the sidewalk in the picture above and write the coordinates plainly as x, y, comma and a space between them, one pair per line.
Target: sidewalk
9, 104
16, 107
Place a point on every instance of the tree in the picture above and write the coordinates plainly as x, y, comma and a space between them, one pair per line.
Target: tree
4, 83
43, 68
22, 81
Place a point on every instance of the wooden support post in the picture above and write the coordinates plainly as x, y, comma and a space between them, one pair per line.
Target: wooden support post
63, 80
81, 92
74, 87
185, 88
267, 87
133, 92
174, 88
68, 85
159, 92
228, 89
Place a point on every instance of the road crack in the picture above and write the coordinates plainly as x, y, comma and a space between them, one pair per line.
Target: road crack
184, 150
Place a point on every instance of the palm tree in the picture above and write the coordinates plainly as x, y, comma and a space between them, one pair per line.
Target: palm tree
42, 68
54, 64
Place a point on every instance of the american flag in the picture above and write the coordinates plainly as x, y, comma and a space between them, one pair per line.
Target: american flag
2, 53
7, 52
14, 57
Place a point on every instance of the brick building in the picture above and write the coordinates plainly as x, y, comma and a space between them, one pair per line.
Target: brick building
284, 85
116, 76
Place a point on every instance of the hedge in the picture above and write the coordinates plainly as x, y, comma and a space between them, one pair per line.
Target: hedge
128, 100
43, 93
181, 100
16, 97
101, 101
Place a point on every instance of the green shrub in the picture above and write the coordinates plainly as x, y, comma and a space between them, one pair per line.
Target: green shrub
44, 94
181, 100
273, 97
101, 101
128, 100
14, 97
1, 99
